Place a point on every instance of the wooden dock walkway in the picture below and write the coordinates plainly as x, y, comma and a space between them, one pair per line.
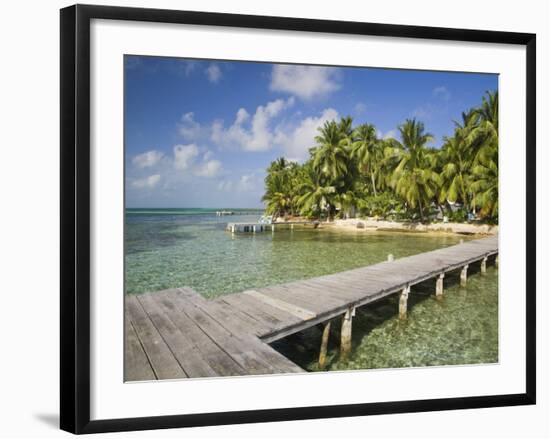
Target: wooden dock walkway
262, 227
177, 333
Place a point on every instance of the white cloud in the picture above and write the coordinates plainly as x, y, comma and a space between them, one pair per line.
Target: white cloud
297, 139
147, 159
441, 92
306, 82
245, 183
188, 127
185, 158
184, 155
254, 136
147, 182
189, 67
214, 73
242, 116
210, 168
225, 185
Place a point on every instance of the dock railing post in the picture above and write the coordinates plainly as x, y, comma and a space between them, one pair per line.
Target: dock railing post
345, 342
403, 298
464, 276
324, 345
439, 286
484, 265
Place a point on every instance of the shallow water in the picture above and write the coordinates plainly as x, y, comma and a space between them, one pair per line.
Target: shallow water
462, 328
183, 247
174, 248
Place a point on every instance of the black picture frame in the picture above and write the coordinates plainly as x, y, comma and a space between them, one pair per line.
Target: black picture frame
75, 217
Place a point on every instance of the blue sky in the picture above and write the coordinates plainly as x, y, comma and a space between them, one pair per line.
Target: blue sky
201, 133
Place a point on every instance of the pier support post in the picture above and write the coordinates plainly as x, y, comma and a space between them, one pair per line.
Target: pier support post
253, 229
484, 265
439, 286
390, 258
324, 345
345, 333
403, 298
461, 241
496, 261
464, 276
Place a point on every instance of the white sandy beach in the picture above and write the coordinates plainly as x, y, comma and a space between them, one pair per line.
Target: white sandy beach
372, 224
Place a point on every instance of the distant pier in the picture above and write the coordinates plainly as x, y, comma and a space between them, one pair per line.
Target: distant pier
264, 227
177, 333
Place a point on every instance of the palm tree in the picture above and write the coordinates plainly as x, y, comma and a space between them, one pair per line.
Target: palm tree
330, 156
276, 197
486, 131
485, 163
414, 177
485, 183
277, 165
456, 156
366, 148
346, 126
314, 195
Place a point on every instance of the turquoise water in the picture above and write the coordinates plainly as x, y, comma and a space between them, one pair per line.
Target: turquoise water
462, 328
189, 247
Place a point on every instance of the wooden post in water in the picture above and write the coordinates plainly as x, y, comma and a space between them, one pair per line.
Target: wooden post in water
461, 241
403, 298
496, 261
484, 265
345, 342
390, 258
324, 345
439, 286
464, 276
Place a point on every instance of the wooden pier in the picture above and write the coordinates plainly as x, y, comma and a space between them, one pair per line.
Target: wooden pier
261, 227
177, 333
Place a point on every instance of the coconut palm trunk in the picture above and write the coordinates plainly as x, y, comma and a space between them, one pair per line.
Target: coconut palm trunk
373, 183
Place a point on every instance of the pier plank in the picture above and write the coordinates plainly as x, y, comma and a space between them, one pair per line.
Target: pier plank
260, 309
163, 361
216, 357
178, 333
297, 311
136, 363
223, 312
187, 354
238, 346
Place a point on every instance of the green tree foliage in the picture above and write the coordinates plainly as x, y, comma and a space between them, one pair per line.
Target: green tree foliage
352, 171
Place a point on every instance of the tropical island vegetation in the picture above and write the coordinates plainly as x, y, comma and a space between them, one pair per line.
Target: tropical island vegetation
353, 172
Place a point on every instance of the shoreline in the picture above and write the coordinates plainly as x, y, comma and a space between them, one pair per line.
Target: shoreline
373, 225
393, 226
